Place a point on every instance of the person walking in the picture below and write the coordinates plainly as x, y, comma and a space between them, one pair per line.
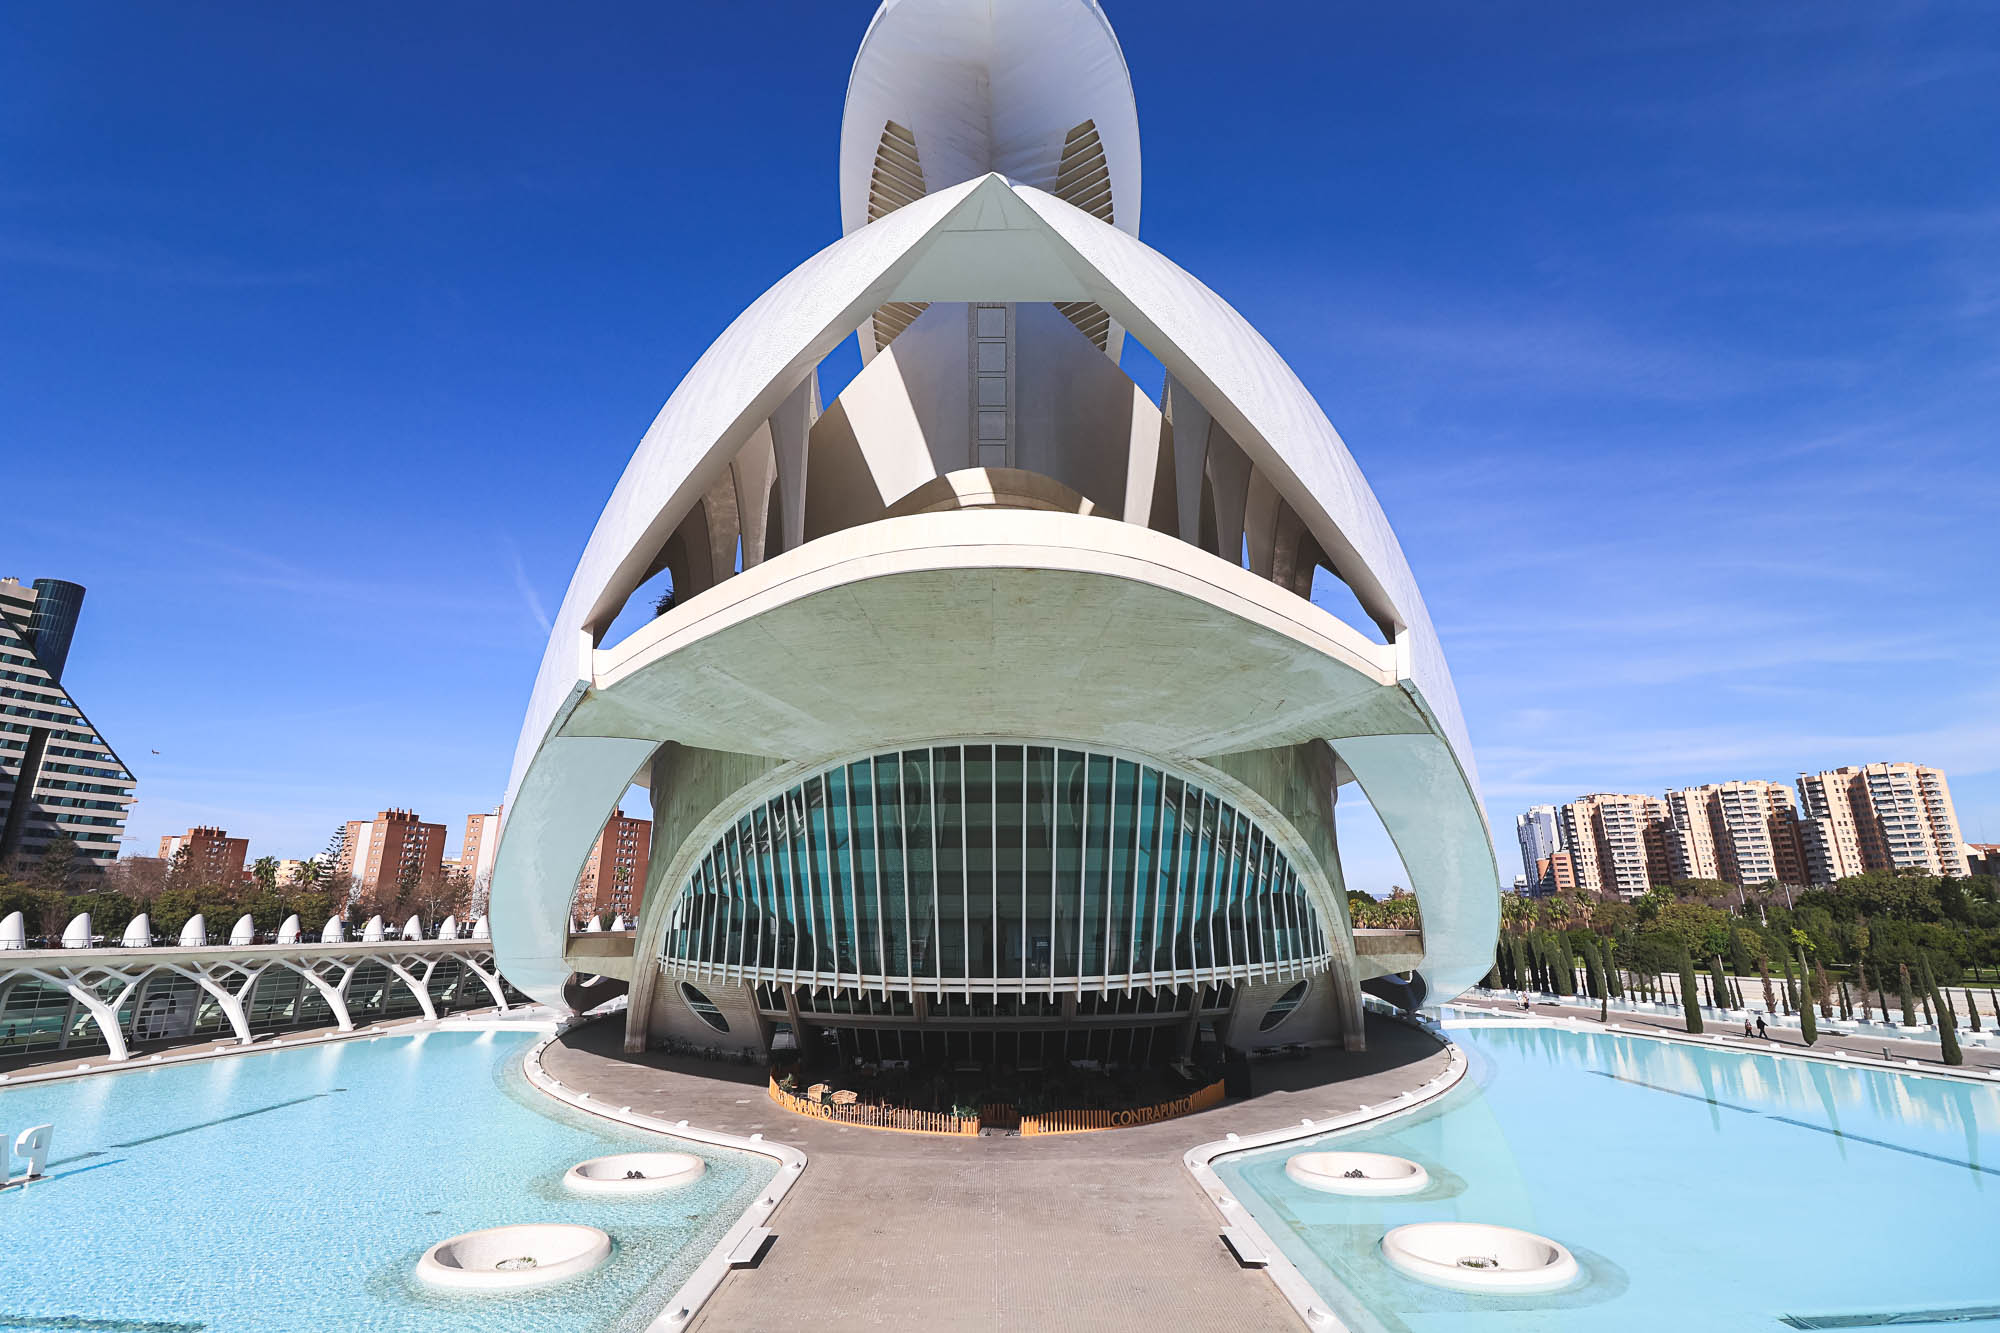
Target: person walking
1760, 1028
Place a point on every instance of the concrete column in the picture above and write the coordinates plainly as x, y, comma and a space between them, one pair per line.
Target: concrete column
335, 996
490, 979
105, 1015
420, 991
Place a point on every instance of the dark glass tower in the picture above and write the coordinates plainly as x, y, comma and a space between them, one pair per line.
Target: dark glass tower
58, 603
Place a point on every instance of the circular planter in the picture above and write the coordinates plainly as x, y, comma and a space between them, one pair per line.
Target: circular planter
1475, 1257
1380, 1174
634, 1173
509, 1258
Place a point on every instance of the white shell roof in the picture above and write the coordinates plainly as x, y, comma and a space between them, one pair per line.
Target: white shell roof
989, 86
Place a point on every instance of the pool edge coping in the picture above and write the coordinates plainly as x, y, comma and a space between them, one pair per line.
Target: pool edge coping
686, 1302
1199, 1161
1291, 1283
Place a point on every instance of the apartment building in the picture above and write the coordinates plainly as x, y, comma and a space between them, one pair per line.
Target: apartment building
475, 857
58, 775
1617, 843
1540, 839
613, 881
395, 847
1878, 817
211, 855
1741, 833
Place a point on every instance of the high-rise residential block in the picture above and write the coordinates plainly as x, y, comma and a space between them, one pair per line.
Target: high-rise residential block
1879, 817
1741, 833
393, 848
208, 855
613, 881
475, 855
58, 776
1540, 838
1617, 843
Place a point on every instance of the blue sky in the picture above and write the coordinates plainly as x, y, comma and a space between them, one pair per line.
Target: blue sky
1669, 337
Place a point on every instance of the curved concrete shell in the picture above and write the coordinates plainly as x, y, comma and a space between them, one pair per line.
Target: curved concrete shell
992, 539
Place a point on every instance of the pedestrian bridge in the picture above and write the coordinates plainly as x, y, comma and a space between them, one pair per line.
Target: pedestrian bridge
86, 998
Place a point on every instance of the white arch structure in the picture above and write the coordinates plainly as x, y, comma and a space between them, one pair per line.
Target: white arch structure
1160, 588
111, 986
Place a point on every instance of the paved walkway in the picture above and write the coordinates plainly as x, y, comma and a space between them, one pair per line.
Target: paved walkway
1925, 1052
1098, 1231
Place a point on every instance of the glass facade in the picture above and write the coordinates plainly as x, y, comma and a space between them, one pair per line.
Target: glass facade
994, 868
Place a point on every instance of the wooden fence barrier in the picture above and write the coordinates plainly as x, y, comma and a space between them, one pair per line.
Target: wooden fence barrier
998, 1116
1073, 1122
877, 1117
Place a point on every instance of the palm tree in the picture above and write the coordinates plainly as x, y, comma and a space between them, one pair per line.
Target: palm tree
265, 871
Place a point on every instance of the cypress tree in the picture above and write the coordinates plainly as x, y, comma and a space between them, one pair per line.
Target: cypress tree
1825, 990
1565, 963
1909, 1005
1791, 986
1846, 1004
1718, 982
1924, 998
1612, 979
1972, 1008
1593, 974
1739, 953
1946, 1021
1690, 998
1522, 979
1808, 1026
1770, 995
1861, 984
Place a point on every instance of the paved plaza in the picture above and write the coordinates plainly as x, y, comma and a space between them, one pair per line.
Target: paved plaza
1095, 1231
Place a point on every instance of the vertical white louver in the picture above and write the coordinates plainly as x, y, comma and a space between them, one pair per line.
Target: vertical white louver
1084, 179
898, 179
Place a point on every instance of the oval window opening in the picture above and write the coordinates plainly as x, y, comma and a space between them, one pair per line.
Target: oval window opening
1279, 1011
704, 1008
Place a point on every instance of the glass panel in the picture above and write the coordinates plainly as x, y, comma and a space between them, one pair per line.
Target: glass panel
1008, 838
1096, 862
1039, 904
867, 883
919, 863
889, 863
1118, 893
979, 857
1145, 871
950, 796
1068, 885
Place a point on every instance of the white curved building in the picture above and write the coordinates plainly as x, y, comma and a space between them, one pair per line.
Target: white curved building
991, 708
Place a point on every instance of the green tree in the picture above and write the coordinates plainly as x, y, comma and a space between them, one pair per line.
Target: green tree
1946, 1021
1909, 1005
1770, 992
1791, 986
1690, 998
265, 871
1808, 1025
1861, 985
1718, 982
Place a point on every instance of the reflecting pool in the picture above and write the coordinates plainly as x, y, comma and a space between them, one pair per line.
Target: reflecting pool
1698, 1188
296, 1189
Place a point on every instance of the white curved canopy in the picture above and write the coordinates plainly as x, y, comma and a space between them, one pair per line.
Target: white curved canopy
138, 932
243, 932
333, 932
374, 930
194, 935
288, 932
76, 935
13, 931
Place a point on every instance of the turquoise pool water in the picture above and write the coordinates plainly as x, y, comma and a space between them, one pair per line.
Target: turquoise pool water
1699, 1189
296, 1189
